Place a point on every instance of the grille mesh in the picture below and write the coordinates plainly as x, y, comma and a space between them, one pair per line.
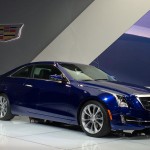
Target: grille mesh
145, 102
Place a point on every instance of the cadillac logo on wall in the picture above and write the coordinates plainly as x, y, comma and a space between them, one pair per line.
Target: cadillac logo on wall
9, 32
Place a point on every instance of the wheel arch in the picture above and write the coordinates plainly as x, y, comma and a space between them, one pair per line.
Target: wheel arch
8, 115
84, 102
7, 95
2, 92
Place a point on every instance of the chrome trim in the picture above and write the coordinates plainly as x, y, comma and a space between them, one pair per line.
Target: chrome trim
139, 121
123, 119
147, 87
37, 79
144, 95
17, 71
28, 85
68, 81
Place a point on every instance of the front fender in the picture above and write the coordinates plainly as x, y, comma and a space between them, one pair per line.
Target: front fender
109, 101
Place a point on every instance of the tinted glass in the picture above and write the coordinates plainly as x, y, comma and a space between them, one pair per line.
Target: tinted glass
85, 72
24, 72
45, 71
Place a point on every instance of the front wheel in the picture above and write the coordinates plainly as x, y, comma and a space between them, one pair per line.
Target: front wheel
5, 111
94, 119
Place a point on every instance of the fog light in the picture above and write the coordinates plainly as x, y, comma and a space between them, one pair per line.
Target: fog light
123, 119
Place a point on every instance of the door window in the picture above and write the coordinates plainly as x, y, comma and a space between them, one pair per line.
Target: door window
45, 72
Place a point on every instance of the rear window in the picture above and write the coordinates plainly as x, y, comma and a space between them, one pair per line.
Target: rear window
23, 73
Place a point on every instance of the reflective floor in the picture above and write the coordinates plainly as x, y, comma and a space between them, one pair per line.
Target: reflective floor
20, 134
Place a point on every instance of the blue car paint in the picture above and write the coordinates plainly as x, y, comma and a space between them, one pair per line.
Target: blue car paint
62, 101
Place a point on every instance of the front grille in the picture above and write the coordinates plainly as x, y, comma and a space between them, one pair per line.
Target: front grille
145, 102
137, 121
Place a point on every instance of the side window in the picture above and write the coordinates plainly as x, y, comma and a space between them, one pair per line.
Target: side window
23, 73
45, 71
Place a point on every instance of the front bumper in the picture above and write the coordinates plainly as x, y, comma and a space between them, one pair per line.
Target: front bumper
131, 120
134, 117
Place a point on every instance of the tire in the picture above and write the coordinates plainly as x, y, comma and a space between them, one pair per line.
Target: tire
5, 110
94, 119
147, 131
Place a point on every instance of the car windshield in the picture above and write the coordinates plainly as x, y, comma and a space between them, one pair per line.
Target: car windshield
85, 72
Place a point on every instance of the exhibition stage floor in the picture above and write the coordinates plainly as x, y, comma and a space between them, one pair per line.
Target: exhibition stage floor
20, 134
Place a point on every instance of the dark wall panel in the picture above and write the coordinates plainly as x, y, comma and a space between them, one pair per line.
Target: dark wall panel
43, 21
128, 59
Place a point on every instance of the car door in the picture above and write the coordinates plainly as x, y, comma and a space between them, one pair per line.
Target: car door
53, 95
21, 95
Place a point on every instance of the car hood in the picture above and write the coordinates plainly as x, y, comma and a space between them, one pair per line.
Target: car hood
118, 87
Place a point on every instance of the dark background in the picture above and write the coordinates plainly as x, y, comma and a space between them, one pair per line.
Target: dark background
43, 21
128, 59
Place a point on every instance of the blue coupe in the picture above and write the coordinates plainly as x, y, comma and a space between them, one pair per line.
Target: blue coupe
74, 94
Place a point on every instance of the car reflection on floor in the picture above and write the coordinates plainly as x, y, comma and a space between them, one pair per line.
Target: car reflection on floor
21, 133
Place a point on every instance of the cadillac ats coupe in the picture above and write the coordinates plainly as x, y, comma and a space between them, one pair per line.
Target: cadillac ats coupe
74, 94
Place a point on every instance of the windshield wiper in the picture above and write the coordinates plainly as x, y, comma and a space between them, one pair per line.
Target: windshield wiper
87, 80
100, 79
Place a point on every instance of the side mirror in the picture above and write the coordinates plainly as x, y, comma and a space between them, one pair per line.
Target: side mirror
58, 78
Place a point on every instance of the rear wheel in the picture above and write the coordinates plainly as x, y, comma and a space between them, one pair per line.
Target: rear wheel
5, 111
94, 119
147, 131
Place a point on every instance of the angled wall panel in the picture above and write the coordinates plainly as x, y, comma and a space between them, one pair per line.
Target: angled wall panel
94, 30
128, 58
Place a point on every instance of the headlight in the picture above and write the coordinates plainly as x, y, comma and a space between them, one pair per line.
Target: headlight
121, 100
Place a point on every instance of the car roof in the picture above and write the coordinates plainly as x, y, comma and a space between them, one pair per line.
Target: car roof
50, 62
39, 62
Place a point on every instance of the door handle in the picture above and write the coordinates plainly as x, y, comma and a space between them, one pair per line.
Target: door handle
28, 85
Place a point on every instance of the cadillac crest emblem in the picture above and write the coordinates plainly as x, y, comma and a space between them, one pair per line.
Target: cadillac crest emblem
9, 32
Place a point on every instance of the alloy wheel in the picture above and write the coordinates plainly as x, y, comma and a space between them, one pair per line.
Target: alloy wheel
92, 118
3, 106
